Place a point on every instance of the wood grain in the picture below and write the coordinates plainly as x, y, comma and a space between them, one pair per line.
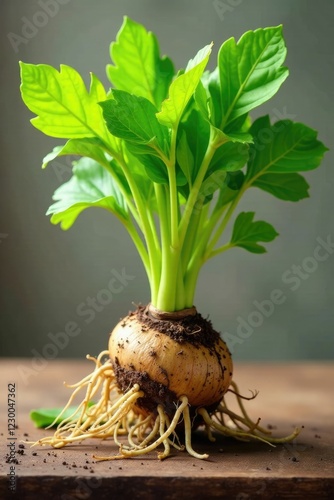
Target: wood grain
290, 395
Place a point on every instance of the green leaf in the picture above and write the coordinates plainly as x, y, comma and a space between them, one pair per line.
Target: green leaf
194, 135
219, 138
143, 171
133, 119
44, 417
230, 188
156, 170
247, 233
211, 83
90, 147
63, 106
250, 71
240, 125
226, 183
290, 187
154, 167
138, 67
185, 157
202, 100
231, 156
182, 88
241, 137
237, 131
90, 186
211, 184
285, 147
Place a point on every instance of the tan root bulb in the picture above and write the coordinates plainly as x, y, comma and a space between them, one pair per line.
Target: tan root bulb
203, 374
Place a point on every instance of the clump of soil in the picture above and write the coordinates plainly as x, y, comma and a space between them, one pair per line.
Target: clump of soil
155, 393
193, 329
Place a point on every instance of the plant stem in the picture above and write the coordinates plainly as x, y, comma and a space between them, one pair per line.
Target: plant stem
219, 250
162, 205
162, 197
174, 209
151, 220
194, 258
223, 223
194, 192
189, 243
143, 218
195, 264
180, 301
191, 282
171, 284
126, 196
146, 229
140, 247
174, 206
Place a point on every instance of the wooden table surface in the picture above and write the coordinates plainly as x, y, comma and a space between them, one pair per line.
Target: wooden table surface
290, 395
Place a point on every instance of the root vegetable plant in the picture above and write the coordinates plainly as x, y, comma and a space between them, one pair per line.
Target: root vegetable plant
170, 154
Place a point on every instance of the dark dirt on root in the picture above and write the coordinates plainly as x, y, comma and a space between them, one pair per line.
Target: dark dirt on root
155, 393
194, 329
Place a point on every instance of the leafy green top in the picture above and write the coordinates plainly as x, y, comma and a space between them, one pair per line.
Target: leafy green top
172, 154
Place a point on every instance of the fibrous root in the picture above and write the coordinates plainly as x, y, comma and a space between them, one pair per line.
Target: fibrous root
117, 416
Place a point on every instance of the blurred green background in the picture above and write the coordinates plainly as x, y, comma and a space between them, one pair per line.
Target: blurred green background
50, 279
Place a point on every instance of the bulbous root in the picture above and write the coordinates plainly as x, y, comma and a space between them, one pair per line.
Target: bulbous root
116, 415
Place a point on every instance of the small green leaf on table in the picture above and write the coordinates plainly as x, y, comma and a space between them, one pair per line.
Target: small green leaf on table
44, 417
